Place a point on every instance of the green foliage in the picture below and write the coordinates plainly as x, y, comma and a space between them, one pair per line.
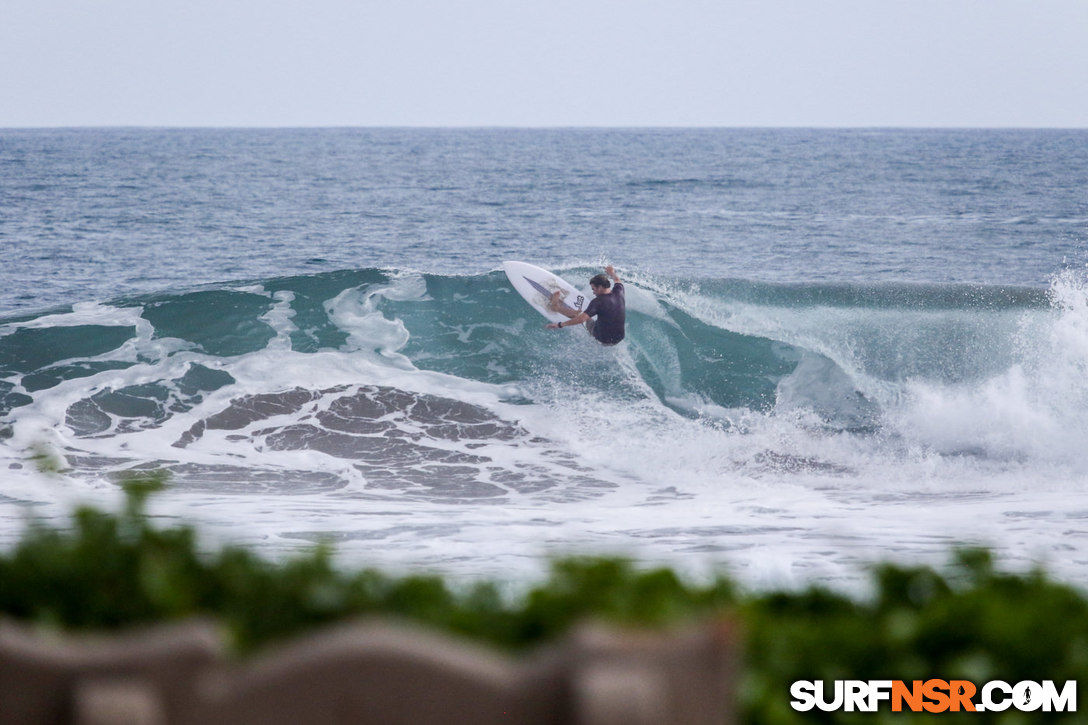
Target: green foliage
969, 621
972, 623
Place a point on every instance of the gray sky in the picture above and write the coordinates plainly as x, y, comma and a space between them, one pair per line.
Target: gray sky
544, 63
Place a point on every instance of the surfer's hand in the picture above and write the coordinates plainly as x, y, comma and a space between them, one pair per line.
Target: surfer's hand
552, 326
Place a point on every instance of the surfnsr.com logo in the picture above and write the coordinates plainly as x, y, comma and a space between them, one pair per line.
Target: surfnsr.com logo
933, 696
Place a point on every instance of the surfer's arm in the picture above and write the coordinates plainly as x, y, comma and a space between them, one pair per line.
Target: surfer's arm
576, 320
611, 272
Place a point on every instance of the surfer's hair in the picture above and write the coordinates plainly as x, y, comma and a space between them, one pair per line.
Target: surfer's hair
600, 281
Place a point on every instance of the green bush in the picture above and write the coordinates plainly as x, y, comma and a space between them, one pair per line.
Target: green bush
969, 621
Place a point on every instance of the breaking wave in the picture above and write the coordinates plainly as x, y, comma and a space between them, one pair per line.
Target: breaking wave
383, 379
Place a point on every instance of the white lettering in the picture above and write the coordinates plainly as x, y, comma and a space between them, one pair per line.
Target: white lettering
856, 696
1027, 696
804, 698
988, 698
879, 690
1066, 701
834, 704
994, 696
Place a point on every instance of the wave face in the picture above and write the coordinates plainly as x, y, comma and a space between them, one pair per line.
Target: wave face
348, 388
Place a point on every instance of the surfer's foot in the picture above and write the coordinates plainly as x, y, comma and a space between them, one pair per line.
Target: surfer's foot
553, 303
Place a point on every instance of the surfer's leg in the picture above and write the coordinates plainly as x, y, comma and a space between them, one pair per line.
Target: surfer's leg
590, 324
557, 305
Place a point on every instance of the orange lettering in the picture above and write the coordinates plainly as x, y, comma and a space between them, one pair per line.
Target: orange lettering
913, 696
935, 691
962, 692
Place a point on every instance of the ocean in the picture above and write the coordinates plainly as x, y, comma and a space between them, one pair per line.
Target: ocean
844, 346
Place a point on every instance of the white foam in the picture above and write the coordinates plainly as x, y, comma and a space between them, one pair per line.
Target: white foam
774, 495
1034, 412
83, 313
279, 318
355, 311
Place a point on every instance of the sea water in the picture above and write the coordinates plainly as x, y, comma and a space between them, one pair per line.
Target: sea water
843, 347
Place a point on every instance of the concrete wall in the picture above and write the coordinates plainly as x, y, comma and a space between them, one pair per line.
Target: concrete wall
365, 672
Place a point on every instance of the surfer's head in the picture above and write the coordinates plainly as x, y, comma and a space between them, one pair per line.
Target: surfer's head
600, 281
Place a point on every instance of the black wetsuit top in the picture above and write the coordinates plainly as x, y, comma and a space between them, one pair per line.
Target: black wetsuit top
611, 313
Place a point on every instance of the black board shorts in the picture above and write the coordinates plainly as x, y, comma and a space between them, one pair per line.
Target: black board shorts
591, 325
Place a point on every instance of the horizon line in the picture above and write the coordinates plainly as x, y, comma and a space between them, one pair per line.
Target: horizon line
557, 127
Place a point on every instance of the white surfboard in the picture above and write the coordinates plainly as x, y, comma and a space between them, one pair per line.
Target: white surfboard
536, 285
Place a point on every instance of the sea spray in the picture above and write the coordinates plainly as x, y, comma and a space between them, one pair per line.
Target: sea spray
1034, 411
431, 419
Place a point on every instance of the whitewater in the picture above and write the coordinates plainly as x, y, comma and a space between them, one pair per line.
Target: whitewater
843, 347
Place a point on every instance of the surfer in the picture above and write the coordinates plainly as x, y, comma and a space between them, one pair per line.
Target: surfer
608, 306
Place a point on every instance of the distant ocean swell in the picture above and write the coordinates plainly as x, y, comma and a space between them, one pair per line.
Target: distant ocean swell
381, 383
